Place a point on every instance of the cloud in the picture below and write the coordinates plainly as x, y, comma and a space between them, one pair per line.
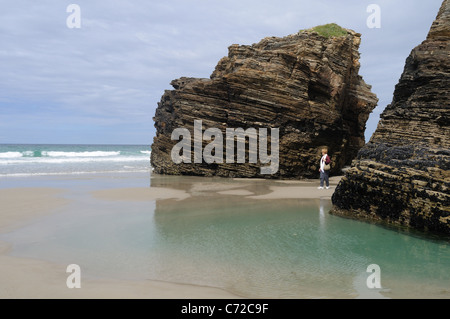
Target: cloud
110, 74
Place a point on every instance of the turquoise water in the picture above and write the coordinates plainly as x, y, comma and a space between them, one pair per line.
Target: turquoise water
42, 159
253, 248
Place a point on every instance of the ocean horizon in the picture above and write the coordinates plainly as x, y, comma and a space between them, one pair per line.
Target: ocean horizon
62, 159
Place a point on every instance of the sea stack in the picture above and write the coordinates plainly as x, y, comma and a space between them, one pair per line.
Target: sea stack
305, 84
402, 176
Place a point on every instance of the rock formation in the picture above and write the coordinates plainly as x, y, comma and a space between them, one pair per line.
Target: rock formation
402, 176
306, 85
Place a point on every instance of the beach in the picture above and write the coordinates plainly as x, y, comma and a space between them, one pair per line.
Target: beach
152, 236
30, 278
35, 278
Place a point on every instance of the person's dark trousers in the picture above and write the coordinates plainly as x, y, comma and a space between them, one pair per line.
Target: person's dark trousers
324, 177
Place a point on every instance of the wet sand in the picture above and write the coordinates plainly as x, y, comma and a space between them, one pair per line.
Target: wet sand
254, 189
29, 278
19, 205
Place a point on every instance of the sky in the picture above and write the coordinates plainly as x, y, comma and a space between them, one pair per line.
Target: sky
101, 83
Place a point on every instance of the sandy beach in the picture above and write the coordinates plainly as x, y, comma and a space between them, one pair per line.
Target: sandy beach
32, 278
28, 278
254, 189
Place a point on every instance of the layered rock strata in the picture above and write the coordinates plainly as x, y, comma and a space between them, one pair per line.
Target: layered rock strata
402, 176
306, 85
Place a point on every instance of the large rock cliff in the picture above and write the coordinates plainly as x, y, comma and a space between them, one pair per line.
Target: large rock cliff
402, 176
306, 85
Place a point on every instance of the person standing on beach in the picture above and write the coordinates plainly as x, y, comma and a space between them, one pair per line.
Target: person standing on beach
324, 169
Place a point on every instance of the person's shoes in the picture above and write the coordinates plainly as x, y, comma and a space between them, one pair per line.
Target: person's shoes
319, 187
328, 187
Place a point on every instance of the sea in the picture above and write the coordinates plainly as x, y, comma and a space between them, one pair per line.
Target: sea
47, 159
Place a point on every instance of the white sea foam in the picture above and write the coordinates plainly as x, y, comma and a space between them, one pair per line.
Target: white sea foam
30, 160
28, 153
80, 154
72, 173
10, 154
51, 160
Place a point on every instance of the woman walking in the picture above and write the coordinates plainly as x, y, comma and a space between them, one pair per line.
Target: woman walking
324, 169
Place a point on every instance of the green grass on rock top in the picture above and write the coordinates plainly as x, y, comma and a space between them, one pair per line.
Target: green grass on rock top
329, 30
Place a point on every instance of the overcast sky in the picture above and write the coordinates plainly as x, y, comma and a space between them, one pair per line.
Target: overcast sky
100, 84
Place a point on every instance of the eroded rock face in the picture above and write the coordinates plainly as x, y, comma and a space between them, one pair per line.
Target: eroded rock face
304, 84
402, 175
